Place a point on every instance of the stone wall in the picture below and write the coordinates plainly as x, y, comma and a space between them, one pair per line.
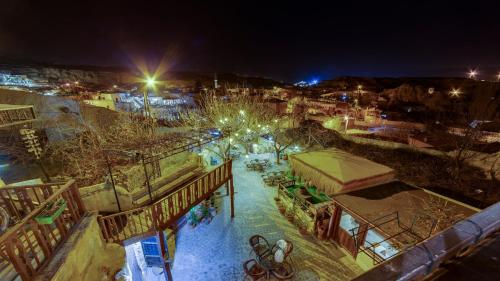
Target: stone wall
85, 256
394, 145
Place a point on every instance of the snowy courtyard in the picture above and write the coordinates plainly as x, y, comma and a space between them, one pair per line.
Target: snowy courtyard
216, 251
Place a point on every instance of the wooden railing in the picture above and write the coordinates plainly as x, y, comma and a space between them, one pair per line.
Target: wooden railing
29, 245
16, 114
305, 205
19, 201
163, 213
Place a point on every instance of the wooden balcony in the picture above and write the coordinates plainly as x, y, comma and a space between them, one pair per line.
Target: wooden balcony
27, 246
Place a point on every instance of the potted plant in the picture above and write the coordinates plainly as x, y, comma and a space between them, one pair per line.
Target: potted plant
51, 212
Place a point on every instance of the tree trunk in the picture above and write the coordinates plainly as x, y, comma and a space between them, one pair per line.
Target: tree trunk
277, 155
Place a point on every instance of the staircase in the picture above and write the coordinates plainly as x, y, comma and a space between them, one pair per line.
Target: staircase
158, 216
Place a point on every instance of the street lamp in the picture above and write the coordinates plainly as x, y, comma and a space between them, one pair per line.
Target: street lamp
150, 82
472, 74
498, 77
455, 92
360, 90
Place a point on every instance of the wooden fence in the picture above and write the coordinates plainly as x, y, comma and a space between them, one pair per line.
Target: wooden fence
163, 213
29, 245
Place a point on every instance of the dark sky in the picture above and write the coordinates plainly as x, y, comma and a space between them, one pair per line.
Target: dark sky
288, 40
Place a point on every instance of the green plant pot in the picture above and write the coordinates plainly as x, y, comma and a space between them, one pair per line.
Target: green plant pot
48, 217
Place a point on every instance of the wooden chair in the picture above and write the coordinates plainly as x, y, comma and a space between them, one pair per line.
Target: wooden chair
253, 270
259, 245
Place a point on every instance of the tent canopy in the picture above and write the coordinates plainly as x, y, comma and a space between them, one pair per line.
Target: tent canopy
333, 170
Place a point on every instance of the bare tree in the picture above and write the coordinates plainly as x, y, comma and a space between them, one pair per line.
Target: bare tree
437, 213
237, 117
83, 156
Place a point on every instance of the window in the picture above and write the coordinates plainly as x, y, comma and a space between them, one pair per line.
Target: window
375, 242
347, 222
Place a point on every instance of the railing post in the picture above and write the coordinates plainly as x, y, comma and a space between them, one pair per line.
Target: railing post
147, 179
232, 195
163, 247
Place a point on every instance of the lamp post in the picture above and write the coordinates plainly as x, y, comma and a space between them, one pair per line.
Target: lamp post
360, 90
150, 83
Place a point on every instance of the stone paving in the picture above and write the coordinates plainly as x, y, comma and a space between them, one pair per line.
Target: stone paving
216, 251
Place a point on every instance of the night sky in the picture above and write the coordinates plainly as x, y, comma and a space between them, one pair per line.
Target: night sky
288, 40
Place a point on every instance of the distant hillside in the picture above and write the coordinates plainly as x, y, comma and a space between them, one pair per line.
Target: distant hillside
480, 99
107, 76
54, 111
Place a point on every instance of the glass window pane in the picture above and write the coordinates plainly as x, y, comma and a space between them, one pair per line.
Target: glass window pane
374, 242
347, 222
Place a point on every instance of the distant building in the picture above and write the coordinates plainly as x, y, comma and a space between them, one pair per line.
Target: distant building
105, 100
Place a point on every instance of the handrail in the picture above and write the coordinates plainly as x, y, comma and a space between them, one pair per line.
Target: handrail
33, 185
29, 246
158, 215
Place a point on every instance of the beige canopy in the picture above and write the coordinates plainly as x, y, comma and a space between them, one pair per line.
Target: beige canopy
333, 170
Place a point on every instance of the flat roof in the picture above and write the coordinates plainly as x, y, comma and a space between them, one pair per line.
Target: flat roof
374, 202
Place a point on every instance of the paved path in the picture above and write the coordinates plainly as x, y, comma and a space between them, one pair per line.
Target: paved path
216, 251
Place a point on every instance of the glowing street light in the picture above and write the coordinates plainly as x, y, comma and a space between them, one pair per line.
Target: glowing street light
498, 76
472, 74
150, 82
455, 93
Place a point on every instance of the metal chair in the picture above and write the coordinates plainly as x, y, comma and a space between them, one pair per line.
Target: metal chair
253, 270
284, 272
259, 245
